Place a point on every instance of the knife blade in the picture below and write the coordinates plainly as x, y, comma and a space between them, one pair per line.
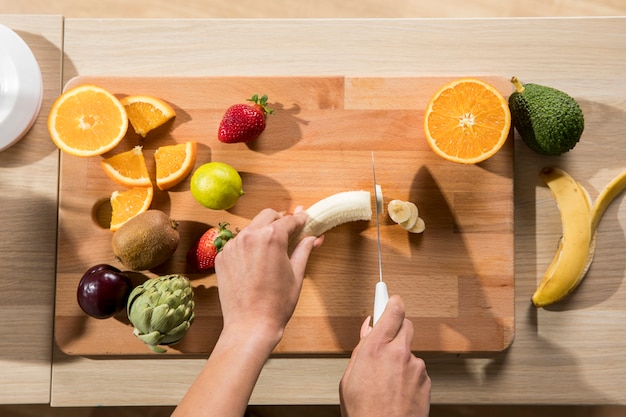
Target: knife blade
381, 295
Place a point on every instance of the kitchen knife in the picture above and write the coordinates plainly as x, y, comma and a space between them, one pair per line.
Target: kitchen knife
381, 295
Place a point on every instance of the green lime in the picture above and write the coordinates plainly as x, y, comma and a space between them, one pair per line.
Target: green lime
216, 185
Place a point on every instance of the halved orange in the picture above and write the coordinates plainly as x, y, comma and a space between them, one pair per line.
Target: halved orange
174, 163
128, 168
87, 120
467, 121
146, 112
127, 204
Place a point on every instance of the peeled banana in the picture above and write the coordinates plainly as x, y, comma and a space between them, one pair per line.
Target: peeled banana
577, 245
343, 207
406, 214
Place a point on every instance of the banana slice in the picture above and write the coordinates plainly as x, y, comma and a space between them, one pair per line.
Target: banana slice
380, 205
399, 211
414, 215
418, 227
406, 214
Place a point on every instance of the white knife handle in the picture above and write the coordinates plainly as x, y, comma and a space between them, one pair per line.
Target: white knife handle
380, 300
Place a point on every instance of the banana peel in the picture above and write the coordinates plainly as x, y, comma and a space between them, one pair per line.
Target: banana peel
612, 190
576, 248
566, 269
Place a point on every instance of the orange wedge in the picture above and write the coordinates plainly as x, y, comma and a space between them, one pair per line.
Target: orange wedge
128, 168
174, 163
87, 120
467, 121
146, 113
127, 204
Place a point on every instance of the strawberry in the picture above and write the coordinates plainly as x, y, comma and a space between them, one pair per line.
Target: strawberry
244, 122
202, 254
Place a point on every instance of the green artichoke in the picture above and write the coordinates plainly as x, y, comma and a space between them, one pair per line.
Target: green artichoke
161, 310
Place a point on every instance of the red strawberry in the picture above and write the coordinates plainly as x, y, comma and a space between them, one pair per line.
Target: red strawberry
202, 255
244, 122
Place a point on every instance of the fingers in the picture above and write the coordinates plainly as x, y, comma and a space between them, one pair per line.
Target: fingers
300, 255
408, 331
292, 224
365, 327
265, 217
287, 226
392, 320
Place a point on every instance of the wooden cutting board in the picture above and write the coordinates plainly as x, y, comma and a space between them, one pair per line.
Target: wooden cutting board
457, 278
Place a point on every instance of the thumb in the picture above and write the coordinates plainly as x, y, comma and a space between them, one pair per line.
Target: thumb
391, 321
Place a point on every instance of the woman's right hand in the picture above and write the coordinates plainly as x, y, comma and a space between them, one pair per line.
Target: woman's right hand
383, 377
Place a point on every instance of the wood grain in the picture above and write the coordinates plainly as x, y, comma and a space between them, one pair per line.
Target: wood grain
319, 9
28, 211
456, 278
569, 354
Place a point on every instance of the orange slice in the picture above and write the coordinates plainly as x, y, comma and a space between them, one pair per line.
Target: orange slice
174, 163
127, 204
147, 113
467, 121
128, 168
87, 120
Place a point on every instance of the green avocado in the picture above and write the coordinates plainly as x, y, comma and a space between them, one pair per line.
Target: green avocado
549, 121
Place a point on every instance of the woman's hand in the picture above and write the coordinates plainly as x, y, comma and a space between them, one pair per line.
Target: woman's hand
259, 286
259, 282
383, 377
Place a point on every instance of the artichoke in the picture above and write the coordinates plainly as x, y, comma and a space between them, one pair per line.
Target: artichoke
161, 310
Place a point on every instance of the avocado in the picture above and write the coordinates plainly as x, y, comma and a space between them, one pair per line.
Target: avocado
549, 121
146, 241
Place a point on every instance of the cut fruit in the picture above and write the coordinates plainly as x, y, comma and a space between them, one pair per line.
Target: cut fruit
127, 204
380, 201
146, 113
467, 121
418, 227
128, 168
406, 214
399, 211
174, 163
86, 121
413, 216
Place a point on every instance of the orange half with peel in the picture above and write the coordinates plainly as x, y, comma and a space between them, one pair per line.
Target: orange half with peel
467, 121
86, 121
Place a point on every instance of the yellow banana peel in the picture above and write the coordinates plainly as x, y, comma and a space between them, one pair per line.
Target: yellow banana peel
564, 273
612, 190
577, 245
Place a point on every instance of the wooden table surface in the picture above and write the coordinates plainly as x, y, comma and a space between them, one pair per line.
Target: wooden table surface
568, 354
28, 211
